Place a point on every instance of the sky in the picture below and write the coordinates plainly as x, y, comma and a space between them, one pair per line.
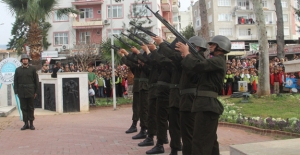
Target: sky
7, 19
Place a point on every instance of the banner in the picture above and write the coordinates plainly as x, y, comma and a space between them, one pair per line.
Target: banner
8, 67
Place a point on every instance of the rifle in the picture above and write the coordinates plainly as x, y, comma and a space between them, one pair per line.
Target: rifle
139, 37
122, 41
133, 39
115, 47
176, 33
147, 31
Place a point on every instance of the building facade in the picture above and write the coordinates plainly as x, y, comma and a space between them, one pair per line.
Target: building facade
93, 24
236, 20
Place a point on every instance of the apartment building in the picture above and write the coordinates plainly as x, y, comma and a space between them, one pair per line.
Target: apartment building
236, 20
186, 18
94, 23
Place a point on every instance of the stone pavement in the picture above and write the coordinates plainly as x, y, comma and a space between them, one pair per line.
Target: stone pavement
100, 132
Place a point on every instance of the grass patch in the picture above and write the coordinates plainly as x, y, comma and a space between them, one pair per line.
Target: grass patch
283, 106
104, 102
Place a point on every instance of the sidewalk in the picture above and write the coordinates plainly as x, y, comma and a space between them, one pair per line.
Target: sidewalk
100, 132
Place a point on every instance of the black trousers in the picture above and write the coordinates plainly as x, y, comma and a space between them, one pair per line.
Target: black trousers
135, 106
174, 128
27, 108
143, 108
152, 125
187, 120
205, 134
162, 105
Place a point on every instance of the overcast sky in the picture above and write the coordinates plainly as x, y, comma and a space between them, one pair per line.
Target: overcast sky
6, 20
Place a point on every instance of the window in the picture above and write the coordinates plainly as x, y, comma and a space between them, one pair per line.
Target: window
140, 10
297, 18
285, 17
85, 37
284, 4
225, 31
266, 18
86, 13
297, 30
209, 5
241, 3
296, 5
245, 32
198, 23
286, 31
265, 3
62, 18
195, 13
117, 11
209, 18
224, 17
115, 32
224, 2
61, 38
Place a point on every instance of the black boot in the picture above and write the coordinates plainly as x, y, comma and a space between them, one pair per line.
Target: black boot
133, 128
141, 135
26, 126
158, 148
174, 152
166, 140
31, 126
147, 142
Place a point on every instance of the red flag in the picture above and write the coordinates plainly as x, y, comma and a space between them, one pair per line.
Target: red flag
254, 86
229, 92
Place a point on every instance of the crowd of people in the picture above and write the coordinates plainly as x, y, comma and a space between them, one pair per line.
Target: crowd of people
247, 70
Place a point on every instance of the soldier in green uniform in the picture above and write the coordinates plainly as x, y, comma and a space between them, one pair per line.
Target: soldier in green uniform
187, 83
26, 83
206, 106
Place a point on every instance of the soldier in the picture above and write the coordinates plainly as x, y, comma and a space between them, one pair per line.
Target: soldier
133, 65
206, 106
187, 86
26, 83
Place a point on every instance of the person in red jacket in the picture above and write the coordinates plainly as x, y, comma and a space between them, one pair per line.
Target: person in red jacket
277, 81
272, 80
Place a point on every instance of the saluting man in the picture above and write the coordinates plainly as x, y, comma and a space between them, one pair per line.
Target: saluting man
26, 86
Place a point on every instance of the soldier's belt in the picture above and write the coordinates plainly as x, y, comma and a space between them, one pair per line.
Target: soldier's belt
143, 80
188, 91
163, 83
152, 85
207, 93
173, 86
26, 85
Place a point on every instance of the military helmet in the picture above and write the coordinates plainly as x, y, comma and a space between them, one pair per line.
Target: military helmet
223, 42
198, 41
24, 56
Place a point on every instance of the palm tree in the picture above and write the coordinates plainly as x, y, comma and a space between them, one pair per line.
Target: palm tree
33, 12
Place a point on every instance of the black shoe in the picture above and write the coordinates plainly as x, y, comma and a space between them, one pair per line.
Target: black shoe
166, 141
141, 135
31, 126
156, 150
26, 126
132, 129
174, 152
147, 142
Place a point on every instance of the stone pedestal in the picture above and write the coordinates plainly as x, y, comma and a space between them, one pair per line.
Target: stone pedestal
66, 93
292, 66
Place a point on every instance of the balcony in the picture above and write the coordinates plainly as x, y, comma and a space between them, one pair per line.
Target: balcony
245, 21
165, 5
175, 7
87, 2
94, 23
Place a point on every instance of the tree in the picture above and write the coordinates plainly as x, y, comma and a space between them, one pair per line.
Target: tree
264, 74
32, 12
19, 32
188, 31
204, 23
280, 33
84, 54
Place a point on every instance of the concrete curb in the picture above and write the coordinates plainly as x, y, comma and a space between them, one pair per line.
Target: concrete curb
7, 112
259, 130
